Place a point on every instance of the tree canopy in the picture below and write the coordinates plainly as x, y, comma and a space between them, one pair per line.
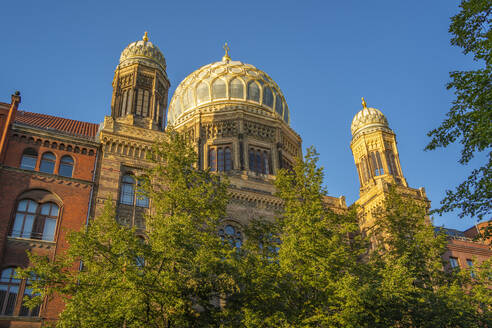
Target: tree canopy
469, 121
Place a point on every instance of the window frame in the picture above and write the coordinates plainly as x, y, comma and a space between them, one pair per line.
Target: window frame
220, 158
49, 161
66, 165
22, 285
31, 156
37, 230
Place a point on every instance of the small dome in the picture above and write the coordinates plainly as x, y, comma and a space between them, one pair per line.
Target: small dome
231, 82
368, 118
145, 52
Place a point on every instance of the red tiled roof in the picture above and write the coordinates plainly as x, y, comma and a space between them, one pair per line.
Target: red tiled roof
64, 125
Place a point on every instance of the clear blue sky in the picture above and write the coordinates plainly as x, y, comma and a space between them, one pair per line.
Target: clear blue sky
324, 55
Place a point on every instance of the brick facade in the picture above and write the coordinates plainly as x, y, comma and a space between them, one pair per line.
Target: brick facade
70, 194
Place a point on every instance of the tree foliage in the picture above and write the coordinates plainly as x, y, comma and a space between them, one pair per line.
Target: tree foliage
310, 268
174, 278
469, 119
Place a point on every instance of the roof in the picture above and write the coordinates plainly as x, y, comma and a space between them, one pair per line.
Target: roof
59, 124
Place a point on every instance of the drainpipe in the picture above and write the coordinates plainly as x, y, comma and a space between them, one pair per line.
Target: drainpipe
16, 99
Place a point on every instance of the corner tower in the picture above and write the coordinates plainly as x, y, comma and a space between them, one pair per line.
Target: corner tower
138, 107
378, 164
374, 148
140, 86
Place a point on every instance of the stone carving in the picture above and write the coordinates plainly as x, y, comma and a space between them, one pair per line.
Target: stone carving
289, 146
259, 131
126, 80
219, 129
145, 81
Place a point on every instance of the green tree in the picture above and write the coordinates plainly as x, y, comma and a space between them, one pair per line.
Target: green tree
413, 286
319, 253
469, 121
174, 278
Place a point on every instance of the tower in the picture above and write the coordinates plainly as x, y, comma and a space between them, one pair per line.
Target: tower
378, 165
374, 148
138, 107
140, 86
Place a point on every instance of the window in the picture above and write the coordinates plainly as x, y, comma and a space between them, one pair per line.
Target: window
9, 288
138, 108
127, 195
29, 159
390, 160
35, 221
127, 190
253, 91
212, 159
278, 105
453, 261
237, 89
377, 165
47, 163
24, 310
202, 92
259, 161
223, 161
470, 265
66, 166
267, 97
218, 89
145, 111
123, 105
232, 235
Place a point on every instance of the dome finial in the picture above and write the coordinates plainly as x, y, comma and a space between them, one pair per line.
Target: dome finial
145, 37
364, 105
226, 56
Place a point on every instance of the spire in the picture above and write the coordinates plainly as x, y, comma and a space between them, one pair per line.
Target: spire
145, 38
364, 105
226, 57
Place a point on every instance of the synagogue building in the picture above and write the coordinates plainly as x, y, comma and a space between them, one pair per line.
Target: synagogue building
56, 173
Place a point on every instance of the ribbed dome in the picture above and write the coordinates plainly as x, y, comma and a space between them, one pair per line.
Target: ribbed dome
145, 52
368, 118
231, 82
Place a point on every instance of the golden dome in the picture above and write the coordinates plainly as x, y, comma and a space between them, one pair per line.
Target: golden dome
231, 82
367, 119
144, 52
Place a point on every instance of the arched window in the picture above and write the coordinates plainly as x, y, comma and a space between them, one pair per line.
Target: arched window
29, 159
231, 234
278, 105
218, 89
35, 221
267, 96
127, 190
124, 103
9, 289
145, 112
253, 91
47, 163
228, 159
391, 162
236, 89
366, 173
138, 108
66, 166
220, 159
202, 92
286, 114
376, 163
212, 159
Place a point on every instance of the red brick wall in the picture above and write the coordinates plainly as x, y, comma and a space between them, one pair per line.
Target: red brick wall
73, 193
